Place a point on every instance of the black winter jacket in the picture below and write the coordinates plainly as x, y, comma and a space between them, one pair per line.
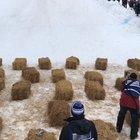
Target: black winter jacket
77, 128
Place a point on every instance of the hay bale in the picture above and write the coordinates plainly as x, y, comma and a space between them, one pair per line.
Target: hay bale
94, 90
57, 75
2, 84
0, 61
72, 62
44, 63
63, 90
128, 118
137, 64
57, 112
106, 131
40, 134
119, 83
131, 63
19, 64
94, 76
2, 73
21, 90
101, 63
31, 74
1, 125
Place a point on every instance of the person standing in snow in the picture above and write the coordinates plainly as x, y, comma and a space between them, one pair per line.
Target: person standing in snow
124, 3
137, 7
130, 102
77, 127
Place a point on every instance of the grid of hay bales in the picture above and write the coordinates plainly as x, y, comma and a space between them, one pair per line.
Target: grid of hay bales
72, 62
19, 63
57, 75
44, 63
63, 90
40, 134
57, 112
101, 63
21, 90
31, 74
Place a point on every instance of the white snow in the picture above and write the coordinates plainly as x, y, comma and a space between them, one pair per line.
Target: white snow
58, 29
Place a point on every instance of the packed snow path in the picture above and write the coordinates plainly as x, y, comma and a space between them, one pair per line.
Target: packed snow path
61, 28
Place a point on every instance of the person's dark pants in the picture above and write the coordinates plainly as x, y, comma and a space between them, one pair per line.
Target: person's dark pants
134, 118
124, 3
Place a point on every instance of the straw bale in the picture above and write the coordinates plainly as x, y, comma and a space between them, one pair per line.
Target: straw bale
2, 73
131, 63
58, 111
63, 90
1, 125
128, 118
0, 61
19, 64
44, 63
106, 131
57, 75
2, 84
94, 76
119, 83
72, 62
31, 74
40, 134
21, 90
94, 90
101, 63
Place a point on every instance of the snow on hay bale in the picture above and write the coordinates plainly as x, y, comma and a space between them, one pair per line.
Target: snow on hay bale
106, 131
19, 63
44, 63
63, 90
128, 118
94, 76
1, 125
21, 90
57, 75
2, 73
0, 61
31, 74
72, 62
119, 83
101, 63
94, 90
40, 134
57, 112
2, 84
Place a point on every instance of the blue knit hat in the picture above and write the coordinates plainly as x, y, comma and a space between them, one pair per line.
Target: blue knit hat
77, 109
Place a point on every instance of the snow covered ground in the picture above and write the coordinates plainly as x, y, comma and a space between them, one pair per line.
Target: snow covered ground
60, 28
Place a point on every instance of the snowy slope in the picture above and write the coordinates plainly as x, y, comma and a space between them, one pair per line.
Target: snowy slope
61, 28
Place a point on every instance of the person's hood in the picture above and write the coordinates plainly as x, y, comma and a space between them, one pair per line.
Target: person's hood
79, 125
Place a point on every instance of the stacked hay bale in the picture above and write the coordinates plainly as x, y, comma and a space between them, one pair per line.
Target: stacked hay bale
128, 118
106, 131
134, 64
21, 90
63, 90
101, 63
1, 125
44, 63
119, 83
2, 79
19, 63
72, 62
94, 85
57, 75
40, 134
0, 61
57, 112
31, 74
